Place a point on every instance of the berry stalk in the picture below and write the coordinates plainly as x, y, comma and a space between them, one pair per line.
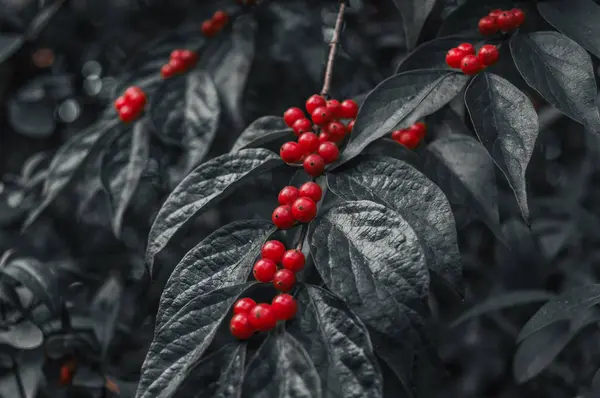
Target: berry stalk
339, 22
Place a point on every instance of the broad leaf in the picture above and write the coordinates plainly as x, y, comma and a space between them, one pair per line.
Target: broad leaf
338, 344
561, 71
577, 19
404, 189
506, 123
205, 185
390, 148
414, 14
222, 259
465, 18
40, 278
178, 346
185, 111
399, 102
24, 335
104, 309
570, 305
281, 368
431, 54
9, 44
263, 130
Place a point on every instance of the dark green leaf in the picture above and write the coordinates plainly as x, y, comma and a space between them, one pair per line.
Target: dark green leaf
178, 346
24, 335
561, 71
281, 368
208, 183
577, 19
432, 54
465, 18
338, 344
506, 123
404, 189
400, 101
9, 44
414, 14
185, 112
40, 278
223, 258
104, 309
390, 148
261, 131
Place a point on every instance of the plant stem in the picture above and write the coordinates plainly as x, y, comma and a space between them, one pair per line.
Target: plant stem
339, 22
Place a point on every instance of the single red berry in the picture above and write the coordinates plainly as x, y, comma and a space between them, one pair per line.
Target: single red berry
350, 126
324, 136
166, 71
321, 116
329, 152
291, 115
287, 195
304, 210
177, 65
309, 142
408, 139
506, 21
314, 102
453, 57
337, 130
335, 108
273, 249
293, 260
135, 97
209, 28
488, 55
244, 305
220, 18
66, 373
466, 48
470, 65
188, 57
310, 190
419, 129
291, 152
264, 270
284, 306
349, 109
495, 13
262, 317
397, 133
284, 280
282, 217
488, 26
120, 102
176, 54
127, 114
302, 125
518, 16
314, 165
240, 327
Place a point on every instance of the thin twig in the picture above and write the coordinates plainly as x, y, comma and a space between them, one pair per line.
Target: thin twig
333, 49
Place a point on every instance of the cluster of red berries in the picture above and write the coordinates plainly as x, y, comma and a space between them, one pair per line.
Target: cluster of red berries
273, 253
465, 58
131, 104
249, 317
410, 137
296, 204
501, 20
317, 151
212, 26
179, 62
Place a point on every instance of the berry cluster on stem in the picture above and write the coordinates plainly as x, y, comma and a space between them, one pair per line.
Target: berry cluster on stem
410, 137
180, 61
211, 27
501, 21
131, 104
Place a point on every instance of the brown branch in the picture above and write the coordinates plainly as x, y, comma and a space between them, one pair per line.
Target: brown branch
339, 22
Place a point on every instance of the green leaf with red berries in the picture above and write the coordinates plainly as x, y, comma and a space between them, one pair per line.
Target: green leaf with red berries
207, 184
432, 54
561, 71
402, 188
338, 344
506, 123
262, 131
399, 102
182, 342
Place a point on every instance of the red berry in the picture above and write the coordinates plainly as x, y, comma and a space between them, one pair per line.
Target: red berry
243, 306
419, 129
209, 28
334, 107
293, 260
495, 13
329, 152
264, 270
349, 109
324, 137
314, 165
488, 55
314, 102
66, 373
336, 130
188, 57
135, 97
287, 195
291, 115
284, 280
282, 217
321, 116
466, 48
304, 210
470, 65
167, 71
518, 16
262, 317
127, 114
302, 125
120, 102
240, 327
176, 54
309, 143
311, 190
284, 306
453, 57
408, 139
397, 133
290, 152
273, 250
177, 65
220, 18
505, 21
488, 26
350, 126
